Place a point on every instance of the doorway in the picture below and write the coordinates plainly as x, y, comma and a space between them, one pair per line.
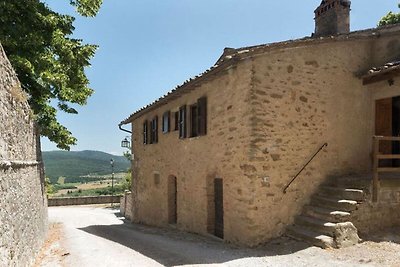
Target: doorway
172, 200
387, 123
219, 208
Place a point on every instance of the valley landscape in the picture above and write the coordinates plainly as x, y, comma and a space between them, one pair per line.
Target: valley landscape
85, 173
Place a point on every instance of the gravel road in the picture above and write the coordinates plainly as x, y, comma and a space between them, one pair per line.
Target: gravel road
97, 236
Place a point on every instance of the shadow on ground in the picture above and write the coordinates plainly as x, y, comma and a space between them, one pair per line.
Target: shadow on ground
391, 235
171, 247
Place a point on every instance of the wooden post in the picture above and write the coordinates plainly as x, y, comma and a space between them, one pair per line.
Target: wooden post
375, 182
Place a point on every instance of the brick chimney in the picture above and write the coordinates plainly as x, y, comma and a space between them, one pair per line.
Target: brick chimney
332, 17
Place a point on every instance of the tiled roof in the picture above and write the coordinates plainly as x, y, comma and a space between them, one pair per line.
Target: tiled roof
385, 72
387, 67
232, 56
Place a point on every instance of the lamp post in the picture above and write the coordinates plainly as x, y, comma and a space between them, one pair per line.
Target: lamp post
112, 182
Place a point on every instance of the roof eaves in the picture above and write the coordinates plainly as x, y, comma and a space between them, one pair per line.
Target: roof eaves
230, 56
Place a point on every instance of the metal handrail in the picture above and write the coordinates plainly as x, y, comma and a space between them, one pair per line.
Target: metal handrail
305, 165
375, 166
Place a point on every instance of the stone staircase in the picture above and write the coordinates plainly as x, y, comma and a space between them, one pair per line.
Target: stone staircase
326, 221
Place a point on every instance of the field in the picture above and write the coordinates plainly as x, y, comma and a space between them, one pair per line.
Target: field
99, 185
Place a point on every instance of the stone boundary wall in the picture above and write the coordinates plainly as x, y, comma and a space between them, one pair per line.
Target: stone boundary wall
23, 204
70, 201
371, 216
126, 205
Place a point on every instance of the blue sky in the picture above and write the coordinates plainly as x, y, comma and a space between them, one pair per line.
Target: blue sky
147, 47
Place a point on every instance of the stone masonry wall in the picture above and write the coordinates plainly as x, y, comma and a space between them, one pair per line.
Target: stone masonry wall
373, 216
70, 201
267, 115
126, 205
301, 98
23, 206
197, 161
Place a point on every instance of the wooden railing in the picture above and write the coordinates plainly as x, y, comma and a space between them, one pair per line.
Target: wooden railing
377, 156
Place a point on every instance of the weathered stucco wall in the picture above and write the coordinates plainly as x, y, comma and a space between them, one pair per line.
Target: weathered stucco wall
267, 115
23, 212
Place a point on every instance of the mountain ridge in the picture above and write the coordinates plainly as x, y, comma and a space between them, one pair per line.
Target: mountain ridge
73, 165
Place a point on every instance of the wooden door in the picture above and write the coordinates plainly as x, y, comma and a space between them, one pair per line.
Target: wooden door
172, 200
219, 208
384, 126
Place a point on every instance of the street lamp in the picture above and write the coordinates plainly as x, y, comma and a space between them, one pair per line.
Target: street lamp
112, 181
126, 143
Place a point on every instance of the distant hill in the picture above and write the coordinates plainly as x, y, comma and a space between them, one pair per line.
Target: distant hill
74, 165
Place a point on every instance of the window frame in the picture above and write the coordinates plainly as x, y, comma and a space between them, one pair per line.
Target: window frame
182, 123
194, 121
166, 122
176, 122
202, 116
154, 130
145, 133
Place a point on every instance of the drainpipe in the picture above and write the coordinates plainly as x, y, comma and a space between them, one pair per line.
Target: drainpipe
120, 127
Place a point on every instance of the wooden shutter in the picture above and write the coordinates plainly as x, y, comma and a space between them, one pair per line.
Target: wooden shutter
193, 123
156, 129
145, 133
176, 116
169, 121
182, 122
202, 115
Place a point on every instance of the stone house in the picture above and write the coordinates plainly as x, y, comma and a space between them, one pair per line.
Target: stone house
216, 155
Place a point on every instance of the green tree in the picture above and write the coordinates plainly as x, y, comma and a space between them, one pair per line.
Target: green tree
390, 18
50, 64
127, 182
49, 187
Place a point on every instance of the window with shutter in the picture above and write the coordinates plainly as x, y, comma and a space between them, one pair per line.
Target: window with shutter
193, 121
176, 122
154, 131
145, 133
182, 122
166, 122
202, 115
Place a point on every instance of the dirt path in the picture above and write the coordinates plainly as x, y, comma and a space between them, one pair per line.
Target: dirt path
96, 236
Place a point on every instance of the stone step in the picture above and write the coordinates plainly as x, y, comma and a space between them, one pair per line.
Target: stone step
332, 203
311, 237
314, 224
343, 193
363, 182
327, 214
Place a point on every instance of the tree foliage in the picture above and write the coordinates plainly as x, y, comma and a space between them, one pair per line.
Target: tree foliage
50, 64
390, 18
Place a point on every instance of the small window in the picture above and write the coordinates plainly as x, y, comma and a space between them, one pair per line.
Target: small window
154, 131
202, 116
145, 133
176, 116
198, 118
182, 122
194, 121
166, 122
